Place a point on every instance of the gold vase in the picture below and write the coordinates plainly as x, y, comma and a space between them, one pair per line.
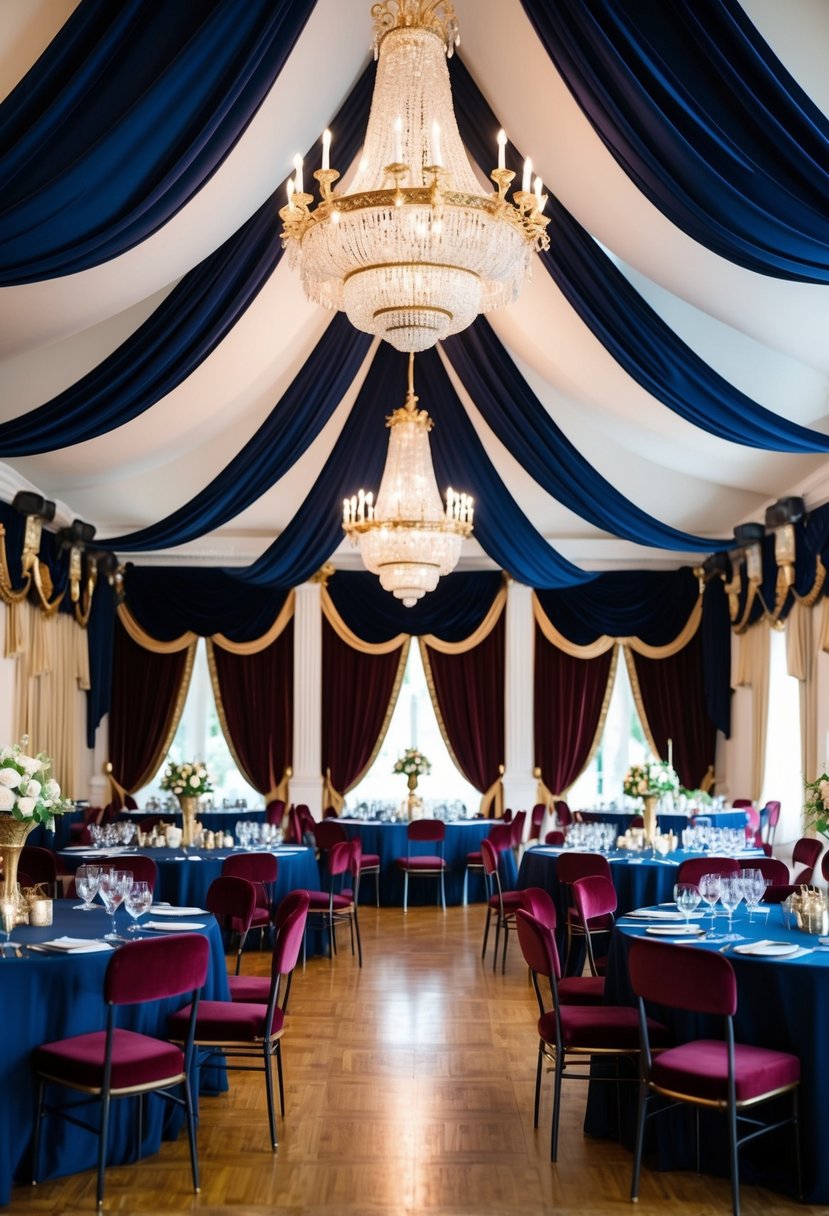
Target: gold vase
189, 804
13, 833
649, 818
413, 803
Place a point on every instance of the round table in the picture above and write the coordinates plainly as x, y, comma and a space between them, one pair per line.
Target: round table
217, 820
52, 996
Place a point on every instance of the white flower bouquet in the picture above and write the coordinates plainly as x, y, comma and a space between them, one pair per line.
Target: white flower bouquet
655, 777
27, 790
412, 762
816, 804
191, 778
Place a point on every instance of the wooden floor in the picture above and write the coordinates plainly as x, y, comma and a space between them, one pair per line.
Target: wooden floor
409, 1090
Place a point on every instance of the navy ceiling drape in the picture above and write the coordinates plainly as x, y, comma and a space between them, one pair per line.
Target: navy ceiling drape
705, 120
123, 119
452, 611
168, 601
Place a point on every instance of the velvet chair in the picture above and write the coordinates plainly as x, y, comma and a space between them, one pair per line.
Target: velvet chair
805, 856
753, 836
501, 904
141, 866
118, 1063
706, 1073
252, 1033
555, 837
692, 869
256, 989
307, 822
39, 865
275, 812
419, 865
769, 819
334, 907
594, 903
517, 837
500, 837
536, 819
329, 832
573, 989
564, 816
571, 1035
262, 869
232, 900
571, 867
776, 871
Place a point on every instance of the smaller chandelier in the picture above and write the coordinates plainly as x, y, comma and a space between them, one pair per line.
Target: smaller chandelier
409, 537
415, 250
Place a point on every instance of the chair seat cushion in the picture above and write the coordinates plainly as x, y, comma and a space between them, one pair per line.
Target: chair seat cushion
421, 863
597, 924
581, 990
137, 1059
261, 918
369, 861
251, 989
513, 900
321, 900
226, 1022
475, 859
599, 1026
700, 1069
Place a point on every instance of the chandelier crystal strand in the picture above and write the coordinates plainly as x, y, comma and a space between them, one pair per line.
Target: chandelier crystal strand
414, 252
410, 536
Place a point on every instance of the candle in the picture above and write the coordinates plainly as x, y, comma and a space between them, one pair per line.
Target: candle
298, 168
398, 141
345, 510
434, 146
361, 504
538, 188
671, 753
528, 174
326, 148
502, 149
290, 189
370, 504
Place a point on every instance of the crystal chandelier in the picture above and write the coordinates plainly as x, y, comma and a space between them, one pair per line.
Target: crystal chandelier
409, 537
414, 251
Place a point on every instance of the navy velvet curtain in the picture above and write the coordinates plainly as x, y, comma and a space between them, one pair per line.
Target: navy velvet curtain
356, 693
452, 611
673, 697
145, 688
469, 689
123, 119
257, 693
705, 120
653, 605
567, 704
168, 601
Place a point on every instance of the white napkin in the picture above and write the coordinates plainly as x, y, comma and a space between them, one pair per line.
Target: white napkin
74, 945
171, 926
169, 910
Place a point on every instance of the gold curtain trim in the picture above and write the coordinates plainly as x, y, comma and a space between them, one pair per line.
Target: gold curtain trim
330, 795
246, 648
348, 636
594, 650
430, 683
395, 693
481, 633
83, 609
140, 636
44, 588
7, 593
811, 597
494, 795
637, 700
741, 625
220, 710
542, 792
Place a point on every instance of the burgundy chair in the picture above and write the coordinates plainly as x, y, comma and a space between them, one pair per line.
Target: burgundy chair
739, 803
332, 907
500, 836
555, 837
275, 812
79, 833
707, 1073
232, 900
433, 865
307, 822
824, 867
256, 989
536, 819
572, 867
141, 866
573, 989
570, 1035
594, 903
692, 869
769, 817
502, 904
229, 1030
806, 852
118, 1063
517, 826
262, 869
329, 813
564, 816
753, 835
328, 833
39, 866
777, 872
294, 834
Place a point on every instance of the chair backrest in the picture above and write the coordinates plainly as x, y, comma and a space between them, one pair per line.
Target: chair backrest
555, 837
741, 802
489, 857
536, 819
539, 903
426, 829
39, 864
636, 821
500, 836
770, 867
289, 939
231, 896
340, 857
329, 833
261, 869
156, 967
701, 981
564, 816
572, 866
538, 945
824, 867
692, 869
517, 826
806, 852
306, 820
275, 812
294, 827
507, 815
288, 905
773, 815
593, 896
142, 868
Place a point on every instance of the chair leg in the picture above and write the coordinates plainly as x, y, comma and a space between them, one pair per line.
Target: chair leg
539, 1068
442, 892
103, 1133
486, 931
796, 1130
504, 955
377, 887
191, 1133
36, 1140
734, 1159
497, 939
405, 891
279, 1077
269, 1093
465, 885
641, 1113
359, 943
557, 1076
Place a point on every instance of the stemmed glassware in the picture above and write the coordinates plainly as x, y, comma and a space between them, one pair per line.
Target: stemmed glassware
710, 888
8, 912
137, 901
754, 888
687, 896
112, 890
730, 896
86, 884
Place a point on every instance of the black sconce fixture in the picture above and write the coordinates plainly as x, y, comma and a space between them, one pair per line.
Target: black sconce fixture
38, 510
749, 540
75, 538
781, 519
718, 565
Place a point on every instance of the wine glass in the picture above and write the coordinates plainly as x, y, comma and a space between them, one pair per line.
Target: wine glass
687, 896
137, 901
111, 891
710, 887
730, 895
754, 888
8, 910
86, 884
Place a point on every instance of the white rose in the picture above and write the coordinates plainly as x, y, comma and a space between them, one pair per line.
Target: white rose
10, 778
195, 780
30, 763
52, 790
32, 789
7, 798
26, 806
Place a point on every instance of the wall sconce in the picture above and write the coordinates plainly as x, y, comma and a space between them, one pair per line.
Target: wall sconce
38, 510
749, 538
75, 538
780, 519
718, 565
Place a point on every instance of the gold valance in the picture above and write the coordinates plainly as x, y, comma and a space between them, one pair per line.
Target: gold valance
254, 647
592, 650
140, 636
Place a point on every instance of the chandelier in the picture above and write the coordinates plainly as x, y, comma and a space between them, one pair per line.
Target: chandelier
409, 537
414, 251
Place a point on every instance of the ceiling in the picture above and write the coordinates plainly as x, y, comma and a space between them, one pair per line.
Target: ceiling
766, 336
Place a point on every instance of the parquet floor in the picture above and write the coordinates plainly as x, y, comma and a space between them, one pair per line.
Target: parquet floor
409, 1091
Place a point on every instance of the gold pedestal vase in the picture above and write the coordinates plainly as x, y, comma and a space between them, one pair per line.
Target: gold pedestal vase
414, 805
649, 818
13, 833
189, 804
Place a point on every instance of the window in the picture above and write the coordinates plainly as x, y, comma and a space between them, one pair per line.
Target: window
783, 777
622, 744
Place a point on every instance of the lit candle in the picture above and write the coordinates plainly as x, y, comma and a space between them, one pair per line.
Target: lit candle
434, 151
538, 188
290, 189
398, 141
528, 175
298, 168
502, 149
671, 753
370, 504
353, 506
326, 148
361, 504
449, 504
345, 510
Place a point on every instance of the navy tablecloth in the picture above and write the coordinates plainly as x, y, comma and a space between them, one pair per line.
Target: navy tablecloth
211, 821
783, 1004
47, 997
388, 840
668, 821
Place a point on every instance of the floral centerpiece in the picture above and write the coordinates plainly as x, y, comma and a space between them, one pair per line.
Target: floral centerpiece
28, 795
650, 780
412, 763
816, 804
190, 779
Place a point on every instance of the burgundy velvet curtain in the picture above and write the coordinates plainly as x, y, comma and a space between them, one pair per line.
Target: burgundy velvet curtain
568, 699
257, 693
356, 691
673, 698
145, 689
469, 689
